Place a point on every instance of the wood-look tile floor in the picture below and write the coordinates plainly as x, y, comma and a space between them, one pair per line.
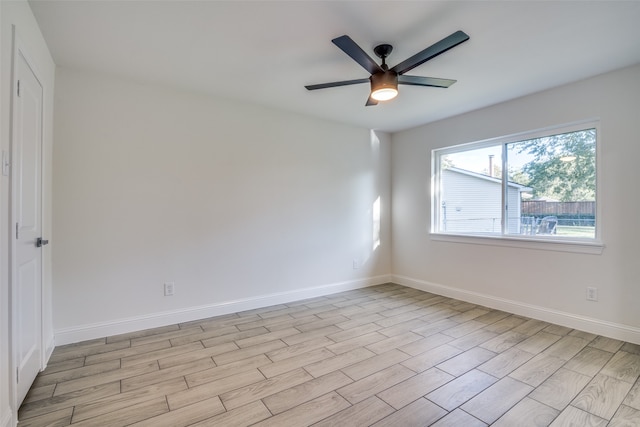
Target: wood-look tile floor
384, 356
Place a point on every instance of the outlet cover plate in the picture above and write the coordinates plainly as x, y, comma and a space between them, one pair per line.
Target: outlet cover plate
169, 288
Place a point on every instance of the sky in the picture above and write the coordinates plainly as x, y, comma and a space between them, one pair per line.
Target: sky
478, 160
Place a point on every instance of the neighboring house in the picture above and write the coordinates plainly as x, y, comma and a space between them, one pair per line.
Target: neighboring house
471, 202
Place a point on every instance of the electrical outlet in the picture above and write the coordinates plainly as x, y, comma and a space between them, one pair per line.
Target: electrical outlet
356, 264
592, 294
169, 288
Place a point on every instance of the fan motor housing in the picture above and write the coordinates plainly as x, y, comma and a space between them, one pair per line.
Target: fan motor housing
383, 50
386, 79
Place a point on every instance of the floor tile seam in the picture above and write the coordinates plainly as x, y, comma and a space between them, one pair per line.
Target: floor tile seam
207, 383
462, 403
444, 409
304, 352
117, 378
599, 348
300, 354
337, 391
543, 403
390, 316
378, 371
349, 376
279, 324
261, 343
74, 378
204, 368
316, 328
304, 401
531, 385
82, 354
539, 351
419, 397
73, 413
626, 406
70, 348
528, 396
271, 315
201, 322
342, 367
573, 399
314, 377
506, 410
261, 400
424, 396
471, 415
587, 410
255, 345
123, 357
120, 379
592, 414
564, 366
47, 398
577, 335
395, 411
623, 351
53, 365
157, 361
94, 402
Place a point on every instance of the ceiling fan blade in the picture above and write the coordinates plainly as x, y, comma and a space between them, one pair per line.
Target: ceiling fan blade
335, 84
425, 81
431, 52
352, 49
371, 102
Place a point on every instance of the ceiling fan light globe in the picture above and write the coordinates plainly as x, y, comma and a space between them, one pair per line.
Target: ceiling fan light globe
384, 94
384, 86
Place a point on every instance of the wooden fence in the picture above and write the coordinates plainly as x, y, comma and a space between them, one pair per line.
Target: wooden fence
563, 209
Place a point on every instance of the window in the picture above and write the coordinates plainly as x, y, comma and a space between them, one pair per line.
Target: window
535, 186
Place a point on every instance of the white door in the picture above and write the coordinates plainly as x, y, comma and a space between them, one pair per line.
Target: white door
27, 214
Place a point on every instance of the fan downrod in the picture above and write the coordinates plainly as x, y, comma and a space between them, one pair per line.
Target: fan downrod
382, 51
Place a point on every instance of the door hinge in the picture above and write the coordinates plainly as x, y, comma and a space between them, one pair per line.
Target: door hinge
17, 231
6, 163
17, 375
18, 88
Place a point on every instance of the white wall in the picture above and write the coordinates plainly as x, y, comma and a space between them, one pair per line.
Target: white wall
546, 284
18, 14
239, 205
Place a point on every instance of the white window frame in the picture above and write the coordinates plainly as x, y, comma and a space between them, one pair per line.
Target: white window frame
558, 243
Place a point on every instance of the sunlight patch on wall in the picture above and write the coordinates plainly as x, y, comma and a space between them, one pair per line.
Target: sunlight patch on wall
376, 223
375, 141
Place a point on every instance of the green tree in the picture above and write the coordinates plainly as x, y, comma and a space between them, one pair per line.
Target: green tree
563, 166
446, 162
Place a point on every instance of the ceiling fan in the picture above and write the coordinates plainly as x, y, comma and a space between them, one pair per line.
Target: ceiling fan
385, 80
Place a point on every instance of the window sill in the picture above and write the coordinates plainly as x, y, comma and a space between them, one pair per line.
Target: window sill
576, 246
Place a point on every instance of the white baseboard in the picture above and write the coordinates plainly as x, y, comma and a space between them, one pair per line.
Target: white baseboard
48, 351
155, 320
7, 418
574, 321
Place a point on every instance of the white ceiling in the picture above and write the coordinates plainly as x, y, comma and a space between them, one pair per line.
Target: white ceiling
264, 52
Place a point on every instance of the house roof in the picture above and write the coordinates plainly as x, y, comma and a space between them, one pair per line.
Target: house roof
264, 52
520, 187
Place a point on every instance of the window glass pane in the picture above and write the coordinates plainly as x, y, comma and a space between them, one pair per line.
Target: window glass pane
471, 191
552, 185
